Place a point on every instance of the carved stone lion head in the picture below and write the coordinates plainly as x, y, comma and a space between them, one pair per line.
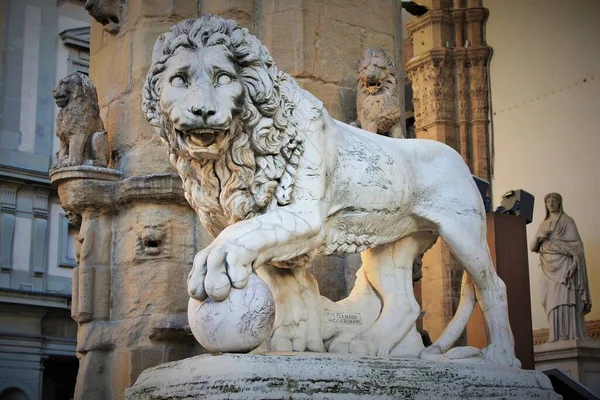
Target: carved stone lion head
375, 68
106, 12
216, 99
75, 88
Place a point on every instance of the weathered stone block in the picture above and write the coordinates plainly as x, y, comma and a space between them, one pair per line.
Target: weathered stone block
111, 84
329, 94
120, 371
373, 39
241, 11
282, 33
338, 48
283, 6
152, 158
136, 148
137, 9
96, 37
142, 40
154, 244
373, 15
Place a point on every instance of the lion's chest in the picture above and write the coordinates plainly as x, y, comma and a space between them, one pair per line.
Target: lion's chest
384, 109
77, 119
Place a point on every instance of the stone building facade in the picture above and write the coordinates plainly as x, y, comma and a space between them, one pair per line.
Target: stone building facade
40, 42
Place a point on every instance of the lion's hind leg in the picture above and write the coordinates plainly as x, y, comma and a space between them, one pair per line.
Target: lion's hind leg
389, 271
466, 238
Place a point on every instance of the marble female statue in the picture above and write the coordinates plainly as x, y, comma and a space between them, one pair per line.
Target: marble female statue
564, 284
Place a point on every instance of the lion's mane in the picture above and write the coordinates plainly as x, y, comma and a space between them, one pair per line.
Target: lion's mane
384, 106
259, 166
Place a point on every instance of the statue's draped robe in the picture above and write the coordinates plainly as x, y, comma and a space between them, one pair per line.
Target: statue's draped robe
565, 299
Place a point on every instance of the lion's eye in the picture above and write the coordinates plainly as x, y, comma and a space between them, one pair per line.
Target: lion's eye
177, 81
223, 80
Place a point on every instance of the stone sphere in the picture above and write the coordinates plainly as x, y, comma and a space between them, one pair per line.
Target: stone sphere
237, 324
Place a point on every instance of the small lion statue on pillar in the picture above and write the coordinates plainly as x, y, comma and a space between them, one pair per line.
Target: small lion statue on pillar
377, 101
83, 140
276, 180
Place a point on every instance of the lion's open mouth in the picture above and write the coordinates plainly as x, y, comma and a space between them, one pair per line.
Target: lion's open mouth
61, 101
373, 86
204, 143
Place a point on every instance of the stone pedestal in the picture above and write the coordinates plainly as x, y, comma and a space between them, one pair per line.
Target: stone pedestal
578, 358
320, 376
129, 296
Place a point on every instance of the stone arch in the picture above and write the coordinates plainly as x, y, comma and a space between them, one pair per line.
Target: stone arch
13, 393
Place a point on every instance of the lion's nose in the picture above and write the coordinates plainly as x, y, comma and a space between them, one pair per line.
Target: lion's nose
203, 111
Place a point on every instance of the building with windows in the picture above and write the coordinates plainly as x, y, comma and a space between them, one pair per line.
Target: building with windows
41, 41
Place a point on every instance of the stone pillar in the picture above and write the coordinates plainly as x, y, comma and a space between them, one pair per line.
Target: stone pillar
137, 234
448, 72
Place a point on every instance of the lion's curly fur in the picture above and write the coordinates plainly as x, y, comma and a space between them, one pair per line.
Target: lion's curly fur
259, 165
382, 107
80, 115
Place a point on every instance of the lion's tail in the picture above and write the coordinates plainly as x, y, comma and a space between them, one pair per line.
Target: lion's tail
459, 322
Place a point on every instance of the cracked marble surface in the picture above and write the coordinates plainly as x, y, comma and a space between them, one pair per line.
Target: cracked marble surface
240, 323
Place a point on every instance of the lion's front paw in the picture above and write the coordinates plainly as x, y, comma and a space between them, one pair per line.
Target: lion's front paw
218, 267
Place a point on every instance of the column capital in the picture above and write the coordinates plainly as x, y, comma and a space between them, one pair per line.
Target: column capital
478, 14
432, 17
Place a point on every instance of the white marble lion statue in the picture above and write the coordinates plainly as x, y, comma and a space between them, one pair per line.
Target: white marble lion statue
277, 181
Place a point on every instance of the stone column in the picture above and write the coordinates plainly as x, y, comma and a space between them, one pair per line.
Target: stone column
448, 72
137, 234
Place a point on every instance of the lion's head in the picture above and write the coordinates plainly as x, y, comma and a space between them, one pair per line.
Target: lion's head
76, 88
377, 101
376, 70
229, 118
